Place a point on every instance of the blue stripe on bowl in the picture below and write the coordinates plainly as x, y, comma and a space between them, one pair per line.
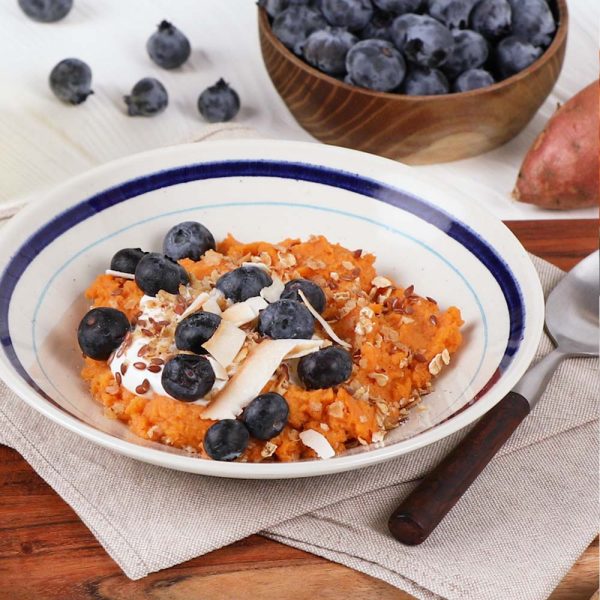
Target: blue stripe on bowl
246, 168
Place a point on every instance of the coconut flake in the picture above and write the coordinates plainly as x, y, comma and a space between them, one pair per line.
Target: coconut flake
120, 274
252, 375
245, 312
326, 326
196, 304
257, 265
273, 292
318, 442
225, 343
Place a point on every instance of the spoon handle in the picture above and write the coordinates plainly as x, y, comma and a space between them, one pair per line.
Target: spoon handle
419, 514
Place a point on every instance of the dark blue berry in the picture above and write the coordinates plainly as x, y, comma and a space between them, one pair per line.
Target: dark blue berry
532, 21
285, 320
275, 7
421, 81
157, 272
452, 13
219, 103
266, 416
325, 368
148, 98
473, 79
378, 28
168, 47
470, 51
400, 26
353, 14
295, 24
243, 283
491, 18
101, 331
46, 11
71, 81
226, 440
427, 42
326, 49
127, 259
314, 294
195, 330
398, 7
513, 55
188, 377
189, 239
375, 64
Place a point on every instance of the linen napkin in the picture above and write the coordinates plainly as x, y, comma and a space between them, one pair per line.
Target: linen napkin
514, 534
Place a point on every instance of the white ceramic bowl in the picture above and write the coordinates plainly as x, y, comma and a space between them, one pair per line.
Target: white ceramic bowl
422, 233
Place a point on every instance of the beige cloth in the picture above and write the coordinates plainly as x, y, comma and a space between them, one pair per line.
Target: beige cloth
514, 534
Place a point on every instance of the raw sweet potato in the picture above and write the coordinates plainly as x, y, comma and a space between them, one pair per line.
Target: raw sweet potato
561, 169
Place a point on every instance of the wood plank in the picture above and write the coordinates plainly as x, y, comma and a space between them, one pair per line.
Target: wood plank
46, 553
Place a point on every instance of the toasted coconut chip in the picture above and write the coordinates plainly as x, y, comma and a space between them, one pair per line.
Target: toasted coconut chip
225, 343
218, 368
257, 265
120, 274
245, 312
274, 291
317, 442
196, 305
252, 375
326, 326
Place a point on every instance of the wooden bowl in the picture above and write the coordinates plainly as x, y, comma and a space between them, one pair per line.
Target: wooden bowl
412, 129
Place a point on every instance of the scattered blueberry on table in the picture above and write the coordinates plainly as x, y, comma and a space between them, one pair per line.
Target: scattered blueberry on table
266, 416
101, 331
71, 81
157, 272
148, 98
219, 103
431, 44
46, 11
286, 320
168, 47
188, 377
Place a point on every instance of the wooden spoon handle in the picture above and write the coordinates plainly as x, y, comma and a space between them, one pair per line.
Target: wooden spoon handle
420, 513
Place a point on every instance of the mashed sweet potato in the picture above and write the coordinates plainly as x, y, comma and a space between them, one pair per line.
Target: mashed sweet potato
399, 340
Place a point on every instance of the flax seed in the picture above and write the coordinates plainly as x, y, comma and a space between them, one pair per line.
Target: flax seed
357, 253
155, 368
409, 290
143, 387
123, 368
431, 299
118, 378
433, 320
157, 361
142, 351
147, 333
140, 366
419, 357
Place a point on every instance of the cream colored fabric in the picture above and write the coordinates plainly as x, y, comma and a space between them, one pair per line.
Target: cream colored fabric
514, 535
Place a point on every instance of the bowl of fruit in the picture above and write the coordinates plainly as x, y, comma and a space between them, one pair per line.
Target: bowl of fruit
420, 81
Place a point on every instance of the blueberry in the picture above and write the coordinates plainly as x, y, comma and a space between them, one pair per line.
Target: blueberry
168, 47
491, 18
428, 42
378, 28
148, 98
314, 294
71, 81
226, 440
422, 81
325, 368
398, 7
472, 79
353, 14
513, 55
219, 103
452, 13
275, 7
470, 51
400, 26
157, 272
286, 320
375, 64
127, 259
295, 24
266, 416
532, 21
189, 239
243, 283
46, 11
195, 330
101, 331
188, 377
326, 49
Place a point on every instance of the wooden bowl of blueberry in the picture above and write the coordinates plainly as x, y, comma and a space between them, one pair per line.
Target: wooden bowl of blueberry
420, 81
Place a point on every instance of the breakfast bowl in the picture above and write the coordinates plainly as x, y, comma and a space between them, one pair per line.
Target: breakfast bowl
421, 232
412, 129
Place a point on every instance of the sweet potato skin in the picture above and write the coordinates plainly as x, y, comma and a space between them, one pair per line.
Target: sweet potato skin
561, 169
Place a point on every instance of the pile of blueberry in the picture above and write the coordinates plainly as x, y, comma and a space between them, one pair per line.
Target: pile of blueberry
189, 376
168, 47
415, 47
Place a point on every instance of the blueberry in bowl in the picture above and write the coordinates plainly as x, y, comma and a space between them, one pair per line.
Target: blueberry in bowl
188, 239
314, 293
195, 330
187, 377
157, 272
101, 332
266, 416
286, 320
127, 260
326, 368
243, 283
226, 440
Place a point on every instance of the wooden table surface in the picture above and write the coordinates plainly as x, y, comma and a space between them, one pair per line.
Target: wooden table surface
47, 553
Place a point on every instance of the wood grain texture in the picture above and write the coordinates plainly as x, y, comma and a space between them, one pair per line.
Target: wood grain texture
46, 553
412, 129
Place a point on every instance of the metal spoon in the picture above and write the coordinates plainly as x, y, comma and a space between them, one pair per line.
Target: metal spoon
572, 323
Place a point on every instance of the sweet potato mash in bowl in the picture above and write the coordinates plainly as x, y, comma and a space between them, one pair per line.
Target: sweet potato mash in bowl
415, 312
